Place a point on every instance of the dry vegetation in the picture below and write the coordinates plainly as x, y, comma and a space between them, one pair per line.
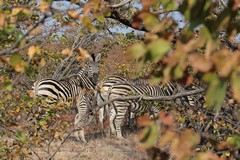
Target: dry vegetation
46, 139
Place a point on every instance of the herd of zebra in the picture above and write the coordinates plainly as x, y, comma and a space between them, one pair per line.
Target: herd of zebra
84, 88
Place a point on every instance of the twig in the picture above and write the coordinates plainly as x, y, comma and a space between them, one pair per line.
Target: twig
163, 11
8, 50
64, 140
34, 152
119, 4
223, 3
49, 144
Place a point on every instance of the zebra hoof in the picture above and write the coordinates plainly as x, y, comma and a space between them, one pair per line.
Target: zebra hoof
84, 141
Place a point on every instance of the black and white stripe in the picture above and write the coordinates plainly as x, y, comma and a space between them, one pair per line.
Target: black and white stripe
105, 86
84, 115
71, 86
118, 108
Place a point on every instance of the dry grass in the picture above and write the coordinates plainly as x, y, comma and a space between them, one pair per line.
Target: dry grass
97, 148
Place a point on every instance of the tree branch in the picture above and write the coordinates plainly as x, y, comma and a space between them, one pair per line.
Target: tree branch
10, 49
148, 98
116, 16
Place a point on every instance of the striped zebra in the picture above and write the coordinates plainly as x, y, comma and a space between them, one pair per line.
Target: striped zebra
103, 91
84, 115
118, 108
71, 86
104, 87
84, 105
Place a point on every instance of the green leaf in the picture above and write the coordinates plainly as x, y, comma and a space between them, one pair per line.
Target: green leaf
15, 59
234, 140
236, 87
137, 50
168, 4
216, 90
8, 85
150, 136
150, 21
100, 18
178, 72
157, 49
22, 137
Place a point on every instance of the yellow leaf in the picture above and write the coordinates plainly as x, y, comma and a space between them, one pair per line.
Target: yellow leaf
42, 63
15, 11
83, 54
67, 52
44, 6
73, 14
19, 68
31, 51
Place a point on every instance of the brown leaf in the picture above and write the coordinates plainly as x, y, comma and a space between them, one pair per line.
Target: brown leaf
200, 62
87, 9
166, 119
183, 146
147, 3
221, 60
223, 145
67, 52
167, 138
31, 93
208, 156
144, 121
73, 14
3, 22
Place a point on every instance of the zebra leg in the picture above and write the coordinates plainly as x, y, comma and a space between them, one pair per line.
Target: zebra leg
79, 131
112, 115
75, 134
101, 119
121, 112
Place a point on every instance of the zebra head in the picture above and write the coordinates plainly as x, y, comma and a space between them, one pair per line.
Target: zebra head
92, 67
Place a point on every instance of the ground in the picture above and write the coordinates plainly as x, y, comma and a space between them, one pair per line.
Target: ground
99, 147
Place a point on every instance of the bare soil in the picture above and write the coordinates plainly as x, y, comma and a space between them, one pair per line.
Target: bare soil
99, 147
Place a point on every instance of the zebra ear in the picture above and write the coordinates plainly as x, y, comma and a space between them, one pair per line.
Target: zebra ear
90, 58
98, 57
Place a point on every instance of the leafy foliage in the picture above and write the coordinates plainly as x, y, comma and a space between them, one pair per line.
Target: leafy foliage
205, 49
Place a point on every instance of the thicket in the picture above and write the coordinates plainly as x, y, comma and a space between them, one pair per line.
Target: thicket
204, 50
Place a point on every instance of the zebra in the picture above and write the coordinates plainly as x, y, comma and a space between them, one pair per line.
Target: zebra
103, 88
118, 108
71, 86
84, 116
84, 105
79, 86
